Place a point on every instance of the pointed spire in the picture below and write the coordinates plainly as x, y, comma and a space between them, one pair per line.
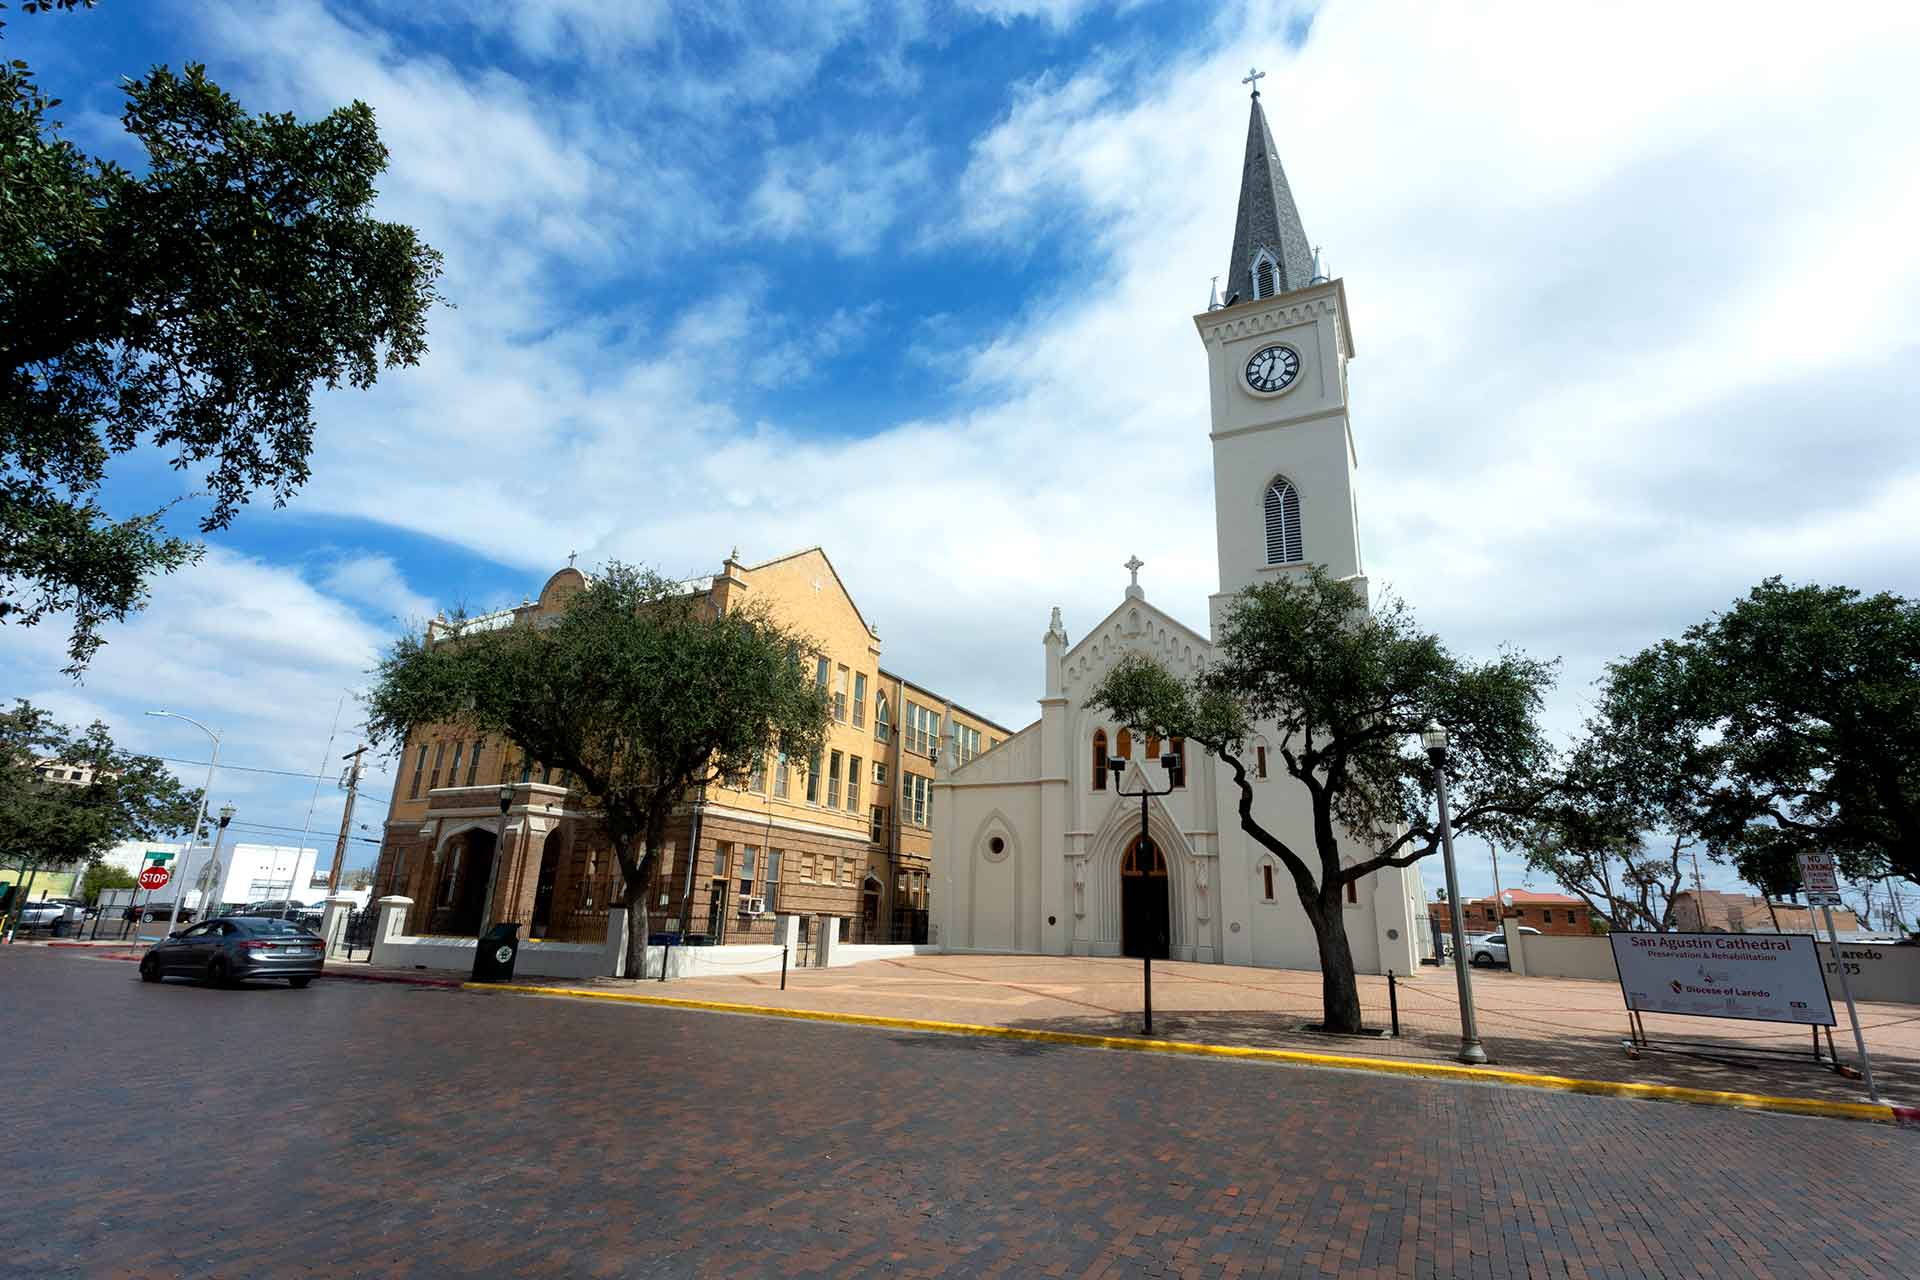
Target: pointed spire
1268, 224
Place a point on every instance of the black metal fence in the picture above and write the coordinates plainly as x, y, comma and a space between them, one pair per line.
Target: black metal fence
356, 940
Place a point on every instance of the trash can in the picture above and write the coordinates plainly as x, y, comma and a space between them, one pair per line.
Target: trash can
499, 948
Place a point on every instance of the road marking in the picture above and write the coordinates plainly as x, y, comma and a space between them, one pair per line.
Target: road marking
1876, 1112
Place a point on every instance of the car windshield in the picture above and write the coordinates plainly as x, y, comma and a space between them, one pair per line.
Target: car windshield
267, 924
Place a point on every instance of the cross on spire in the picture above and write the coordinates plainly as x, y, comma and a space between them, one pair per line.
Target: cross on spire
1253, 78
570, 556
1133, 565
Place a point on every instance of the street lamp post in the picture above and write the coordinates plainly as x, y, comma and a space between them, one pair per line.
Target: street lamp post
499, 856
1434, 739
1169, 762
174, 920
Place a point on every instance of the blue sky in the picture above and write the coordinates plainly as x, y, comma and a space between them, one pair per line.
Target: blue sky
1634, 319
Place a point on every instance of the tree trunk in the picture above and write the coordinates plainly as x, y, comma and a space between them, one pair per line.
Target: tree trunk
1339, 991
637, 886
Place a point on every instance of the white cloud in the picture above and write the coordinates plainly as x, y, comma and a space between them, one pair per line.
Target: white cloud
1634, 322
376, 581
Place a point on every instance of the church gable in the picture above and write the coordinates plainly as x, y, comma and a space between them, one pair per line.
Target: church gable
1015, 760
1134, 627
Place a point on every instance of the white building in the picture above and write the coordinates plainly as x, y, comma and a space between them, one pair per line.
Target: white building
1036, 853
242, 873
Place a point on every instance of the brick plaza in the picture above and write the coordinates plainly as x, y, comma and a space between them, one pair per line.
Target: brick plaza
389, 1130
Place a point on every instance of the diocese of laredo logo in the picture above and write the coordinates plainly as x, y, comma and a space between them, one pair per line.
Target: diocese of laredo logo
503, 955
1679, 987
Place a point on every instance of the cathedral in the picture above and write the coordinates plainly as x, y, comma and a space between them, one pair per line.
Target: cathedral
1038, 850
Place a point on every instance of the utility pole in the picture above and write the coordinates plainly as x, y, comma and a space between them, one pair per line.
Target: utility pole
346, 816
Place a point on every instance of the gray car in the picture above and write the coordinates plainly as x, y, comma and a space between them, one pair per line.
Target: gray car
236, 949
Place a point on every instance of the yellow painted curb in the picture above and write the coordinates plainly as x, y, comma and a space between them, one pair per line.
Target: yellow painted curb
1878, 1112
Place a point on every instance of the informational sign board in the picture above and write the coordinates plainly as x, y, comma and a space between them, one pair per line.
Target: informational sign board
1764, 977
1820, 878
155, 877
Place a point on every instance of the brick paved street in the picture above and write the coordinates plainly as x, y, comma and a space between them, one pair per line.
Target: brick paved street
386, 1130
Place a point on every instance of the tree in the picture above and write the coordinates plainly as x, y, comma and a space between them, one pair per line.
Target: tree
53, 823
102, 876
191, 308
1789, 723
1347, 691
640, 688
1624, 874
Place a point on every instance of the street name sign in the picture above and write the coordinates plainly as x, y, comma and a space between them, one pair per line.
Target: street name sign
1764, 977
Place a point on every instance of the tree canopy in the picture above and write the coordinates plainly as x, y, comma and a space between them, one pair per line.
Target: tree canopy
53, 823
639, 687
1789, 723
1343, 693
190, 308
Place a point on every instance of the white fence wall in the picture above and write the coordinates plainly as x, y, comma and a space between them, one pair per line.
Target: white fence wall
1878, 972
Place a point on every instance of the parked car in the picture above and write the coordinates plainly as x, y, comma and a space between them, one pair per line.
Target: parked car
1491, 949
233, 949
42, 915
156, 913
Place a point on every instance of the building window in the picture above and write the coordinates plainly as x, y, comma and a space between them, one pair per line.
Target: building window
772, 889
1123, 745
820, 669
833, 781
846, 871
1099, 759
757, 775
749, 864
1260, 760
1153, 747
922, 729
1266, 274
1178, 776
840, 694
859, 699
916, 795
879, 773
882, 726
419, 767
1266, 874
722, 855
439, 754
878, 829
966, 743
1353, 894
813, 779
526, 767
853, 784
806, 866
473, 761
780, 776
1283, 522
453, 774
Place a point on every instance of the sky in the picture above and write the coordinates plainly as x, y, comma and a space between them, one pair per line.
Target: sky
1632, 289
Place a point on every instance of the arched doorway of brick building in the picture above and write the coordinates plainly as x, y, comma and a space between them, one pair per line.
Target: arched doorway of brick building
1144, 918
463, 882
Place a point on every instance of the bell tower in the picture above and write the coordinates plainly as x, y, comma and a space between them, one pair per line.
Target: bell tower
1277, 348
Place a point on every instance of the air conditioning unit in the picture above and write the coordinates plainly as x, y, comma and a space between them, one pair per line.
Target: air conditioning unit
752, 906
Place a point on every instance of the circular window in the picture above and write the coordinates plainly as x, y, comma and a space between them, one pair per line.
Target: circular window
996, 850
997, 845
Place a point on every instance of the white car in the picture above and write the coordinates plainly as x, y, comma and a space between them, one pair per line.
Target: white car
1492, 949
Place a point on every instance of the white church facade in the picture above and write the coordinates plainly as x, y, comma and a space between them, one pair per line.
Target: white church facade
1039, 853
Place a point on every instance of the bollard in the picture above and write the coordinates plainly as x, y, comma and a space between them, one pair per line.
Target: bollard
1393, 1003
783, 968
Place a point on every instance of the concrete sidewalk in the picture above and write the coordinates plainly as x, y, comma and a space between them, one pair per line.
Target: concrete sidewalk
1547, 1026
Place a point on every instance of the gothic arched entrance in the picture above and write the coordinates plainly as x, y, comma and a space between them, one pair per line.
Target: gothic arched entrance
1144, 917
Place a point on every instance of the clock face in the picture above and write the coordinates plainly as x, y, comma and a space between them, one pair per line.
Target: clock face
1273, 368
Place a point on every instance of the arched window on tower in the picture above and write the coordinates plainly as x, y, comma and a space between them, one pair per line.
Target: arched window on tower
1123, 744
1099, 759
1283, 522
1266, 274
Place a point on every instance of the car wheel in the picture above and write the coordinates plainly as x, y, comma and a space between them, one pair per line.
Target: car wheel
1481, 960
217, 972
298, 983
149, 970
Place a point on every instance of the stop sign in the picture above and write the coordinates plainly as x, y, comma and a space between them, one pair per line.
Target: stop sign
155, 877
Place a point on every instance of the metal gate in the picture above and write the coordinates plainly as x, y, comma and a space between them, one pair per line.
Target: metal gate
356, 939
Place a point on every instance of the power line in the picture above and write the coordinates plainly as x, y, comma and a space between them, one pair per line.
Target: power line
268, 826
283, 773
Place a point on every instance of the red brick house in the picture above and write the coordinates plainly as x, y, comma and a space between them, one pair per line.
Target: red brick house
1547, 912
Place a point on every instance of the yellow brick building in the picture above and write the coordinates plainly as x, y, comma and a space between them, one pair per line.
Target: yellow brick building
847, 834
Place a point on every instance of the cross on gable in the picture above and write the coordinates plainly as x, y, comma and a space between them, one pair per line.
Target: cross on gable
1133, 566
1254, 78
